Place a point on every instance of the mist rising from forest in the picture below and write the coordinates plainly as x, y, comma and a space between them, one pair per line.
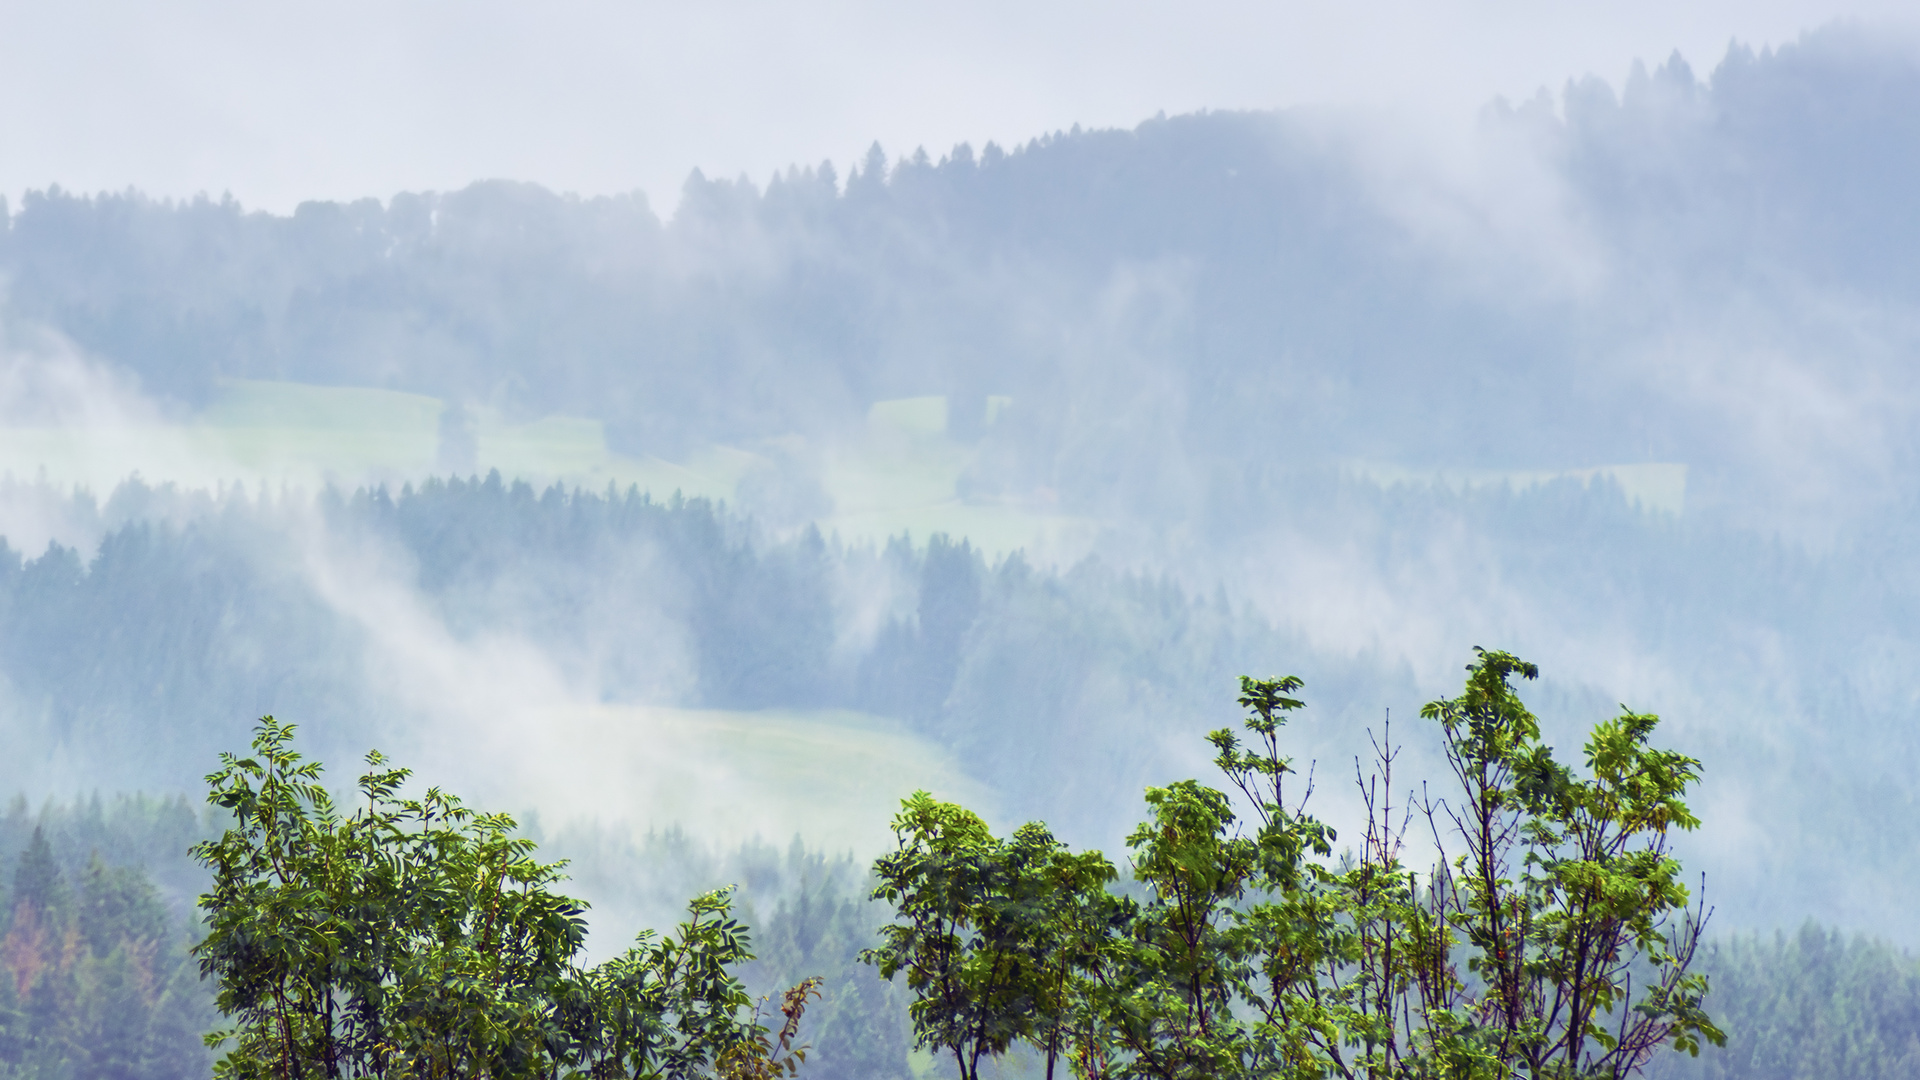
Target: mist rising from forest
1621, 384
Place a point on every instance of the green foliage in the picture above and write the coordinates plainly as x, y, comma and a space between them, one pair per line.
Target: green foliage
986, 933
414, 937
1253, 954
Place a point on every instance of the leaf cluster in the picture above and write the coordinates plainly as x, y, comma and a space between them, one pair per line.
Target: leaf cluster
1255, 953
415, 937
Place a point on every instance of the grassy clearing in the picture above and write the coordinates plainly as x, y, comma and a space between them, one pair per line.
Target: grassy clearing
831, 776
899, 475
261, 405
902, 476
290, 434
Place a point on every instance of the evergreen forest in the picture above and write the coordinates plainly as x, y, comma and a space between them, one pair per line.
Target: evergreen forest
870, 610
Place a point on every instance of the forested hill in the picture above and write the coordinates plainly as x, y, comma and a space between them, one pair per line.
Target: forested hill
138, 665
1330, 406
443, 620
1651, 272
1621, 382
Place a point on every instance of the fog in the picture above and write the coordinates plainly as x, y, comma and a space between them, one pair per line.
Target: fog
1615, 376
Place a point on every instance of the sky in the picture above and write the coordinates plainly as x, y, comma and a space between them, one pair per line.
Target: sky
284, 102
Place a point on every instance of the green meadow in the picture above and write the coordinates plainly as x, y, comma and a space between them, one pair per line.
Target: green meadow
831, 775
898, 475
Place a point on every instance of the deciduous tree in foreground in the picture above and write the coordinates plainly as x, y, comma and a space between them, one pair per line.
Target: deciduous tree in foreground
415, 938
1551, 937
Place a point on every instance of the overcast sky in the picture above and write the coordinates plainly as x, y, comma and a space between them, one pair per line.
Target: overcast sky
287, 101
